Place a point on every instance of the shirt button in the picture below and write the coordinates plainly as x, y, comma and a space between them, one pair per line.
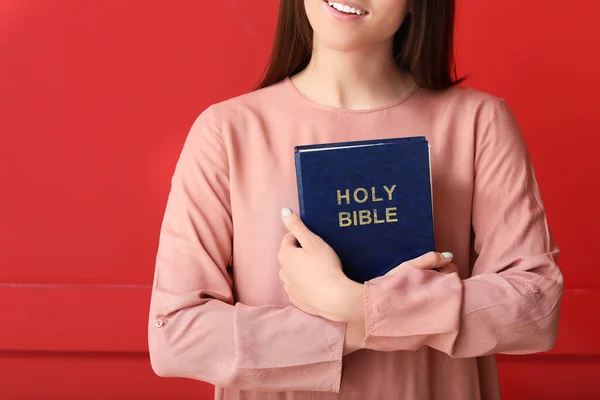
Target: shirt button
534, 289
159, 323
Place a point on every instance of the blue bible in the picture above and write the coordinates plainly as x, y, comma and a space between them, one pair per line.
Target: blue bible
370, 200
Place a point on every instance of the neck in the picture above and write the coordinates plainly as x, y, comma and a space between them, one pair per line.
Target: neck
360, 79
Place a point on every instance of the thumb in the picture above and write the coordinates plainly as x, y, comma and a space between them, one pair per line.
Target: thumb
431, 260
289, 240
296, 226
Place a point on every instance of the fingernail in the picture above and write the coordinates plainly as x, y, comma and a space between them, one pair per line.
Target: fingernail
447, 255
286, 212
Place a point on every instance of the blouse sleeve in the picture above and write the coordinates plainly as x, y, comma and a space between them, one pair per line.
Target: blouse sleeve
196, 330
510, 303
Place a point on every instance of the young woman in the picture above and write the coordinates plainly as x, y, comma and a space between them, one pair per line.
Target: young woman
248, 299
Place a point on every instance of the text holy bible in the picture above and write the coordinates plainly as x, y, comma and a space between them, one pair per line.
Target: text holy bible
371, 201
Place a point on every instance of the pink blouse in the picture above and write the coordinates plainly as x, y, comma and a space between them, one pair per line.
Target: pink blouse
219, 312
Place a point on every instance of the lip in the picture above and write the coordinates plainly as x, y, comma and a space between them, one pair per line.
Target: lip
343, 16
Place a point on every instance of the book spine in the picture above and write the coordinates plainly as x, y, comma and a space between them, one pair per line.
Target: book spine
431, 194
299, 183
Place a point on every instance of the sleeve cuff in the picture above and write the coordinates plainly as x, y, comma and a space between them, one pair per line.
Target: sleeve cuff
336, 347
368, 315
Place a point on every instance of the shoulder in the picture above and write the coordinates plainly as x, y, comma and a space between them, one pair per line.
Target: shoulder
215, 126
481, 121
480, 114
242, 115
466, 102
256, 103
496, 131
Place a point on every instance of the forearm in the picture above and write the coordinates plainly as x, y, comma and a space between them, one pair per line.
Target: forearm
350, 309
249, 348
515, 312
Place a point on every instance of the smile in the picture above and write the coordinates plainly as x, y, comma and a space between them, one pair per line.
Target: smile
346, 9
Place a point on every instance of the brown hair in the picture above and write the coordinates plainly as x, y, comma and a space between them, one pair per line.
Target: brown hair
423, 45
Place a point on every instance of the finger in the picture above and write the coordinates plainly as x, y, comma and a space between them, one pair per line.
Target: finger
429, 260
393, 271
289, 240
449, 269
296, 226
288, 244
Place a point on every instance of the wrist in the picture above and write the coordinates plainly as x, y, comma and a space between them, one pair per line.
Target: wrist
355, 336
349, 305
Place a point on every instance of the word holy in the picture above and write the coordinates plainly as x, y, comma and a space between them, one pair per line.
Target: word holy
366, 216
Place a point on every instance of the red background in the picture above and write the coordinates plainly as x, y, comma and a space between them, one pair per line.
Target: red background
95, 101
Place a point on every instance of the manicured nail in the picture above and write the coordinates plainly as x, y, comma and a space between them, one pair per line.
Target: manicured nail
447, 255
286, 212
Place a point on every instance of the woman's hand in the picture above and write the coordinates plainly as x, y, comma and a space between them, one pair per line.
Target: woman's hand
312, 277
312, 274
432, 260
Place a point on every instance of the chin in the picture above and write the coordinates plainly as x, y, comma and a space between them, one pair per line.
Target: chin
342, 44
351, 34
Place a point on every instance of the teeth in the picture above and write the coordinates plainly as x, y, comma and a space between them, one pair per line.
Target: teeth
346, 9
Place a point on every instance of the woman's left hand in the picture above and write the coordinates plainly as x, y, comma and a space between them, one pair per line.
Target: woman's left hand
312, 274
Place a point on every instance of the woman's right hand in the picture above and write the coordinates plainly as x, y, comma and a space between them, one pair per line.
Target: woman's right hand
432, 260
355, 329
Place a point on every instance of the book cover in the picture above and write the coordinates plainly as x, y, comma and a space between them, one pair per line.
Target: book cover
370, 200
